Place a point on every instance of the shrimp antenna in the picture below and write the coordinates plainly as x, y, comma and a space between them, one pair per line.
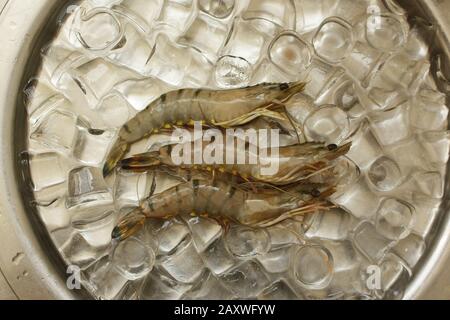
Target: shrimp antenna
289, 118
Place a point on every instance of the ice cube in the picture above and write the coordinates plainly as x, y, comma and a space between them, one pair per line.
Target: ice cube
205, 27
136, 52
394, 278
245, 242
142, 12
177, 13
91, 145
359, 200
247, 280
428, 110
333, 40
290, 52
386, 32
370, 243
209, 288
279, 290
58, 130
426, 212
133, 258
334, 224
365, 147
95, 79
268, 72
276, 260
231, 72
114, 110
171, 236
312, 266
80, 253
184, 265
329, 124
217, 258
86, 185
218, 9
131, 188
361, 61
47, 169
160, 286
391, 126
245, 42
55, 216
95, 224
281, 12
410, 250
97, 29
140, 93
394, 219
203, 231
384, 174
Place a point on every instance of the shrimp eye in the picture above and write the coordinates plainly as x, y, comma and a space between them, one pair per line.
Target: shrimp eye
332, 147
315, 193
284, 86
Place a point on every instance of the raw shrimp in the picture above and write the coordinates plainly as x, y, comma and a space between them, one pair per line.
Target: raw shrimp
294, 163
222, 108
226, 199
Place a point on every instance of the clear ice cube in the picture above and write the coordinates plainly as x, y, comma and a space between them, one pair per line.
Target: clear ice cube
290, 52
91, 146
384, 174
281, 12
312, 266
279, 290
328, 124
171, 236
276, 260
394, 219
58, 130
97, 29
245, 42
217, 258
86, 185
391, 126
218, 9
247, 280
133, 258
334, 224
95, 224
47, 169
203, 231
184, 265
231, 72
160, 286
142, 12
136, 53
428, 110
333, 40
410, 249
247, 242
386, 32
205, 27
55, 216
209, 288
370, 243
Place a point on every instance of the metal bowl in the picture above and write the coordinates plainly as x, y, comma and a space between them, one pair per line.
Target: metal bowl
30, 266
